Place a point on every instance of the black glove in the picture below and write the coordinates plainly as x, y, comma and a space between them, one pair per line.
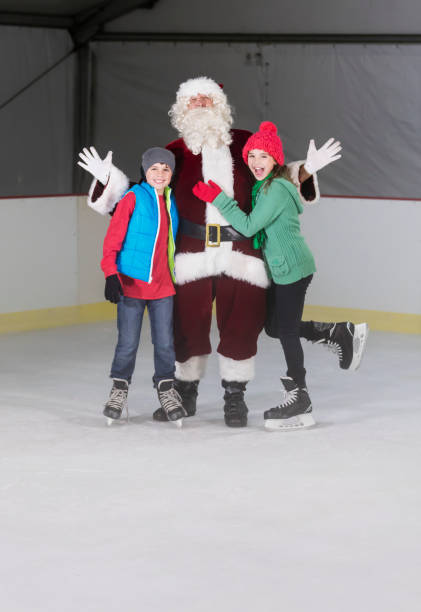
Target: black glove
113, 289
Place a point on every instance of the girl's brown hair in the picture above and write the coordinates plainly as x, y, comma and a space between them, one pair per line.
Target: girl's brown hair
278, 172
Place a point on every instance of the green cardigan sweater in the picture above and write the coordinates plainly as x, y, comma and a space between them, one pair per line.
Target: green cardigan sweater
286, 253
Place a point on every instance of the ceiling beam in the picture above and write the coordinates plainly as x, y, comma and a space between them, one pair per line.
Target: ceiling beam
236, 37
82, 26
36, 20
84, 29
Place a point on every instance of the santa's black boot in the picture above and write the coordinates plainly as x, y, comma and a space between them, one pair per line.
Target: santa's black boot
235, 409
294, 411
188, 391
345, 339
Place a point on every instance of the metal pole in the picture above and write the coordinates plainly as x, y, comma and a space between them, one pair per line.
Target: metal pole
82, 114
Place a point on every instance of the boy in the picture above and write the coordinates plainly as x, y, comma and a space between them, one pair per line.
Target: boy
138, 264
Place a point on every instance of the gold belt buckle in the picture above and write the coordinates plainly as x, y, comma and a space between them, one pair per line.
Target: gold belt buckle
218, 233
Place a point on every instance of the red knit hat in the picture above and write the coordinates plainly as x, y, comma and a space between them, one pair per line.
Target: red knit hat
266, 139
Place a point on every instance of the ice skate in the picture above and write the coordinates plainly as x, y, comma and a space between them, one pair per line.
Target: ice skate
294, 412
170, 401
117, 401
188, 392
348, 342
235, 408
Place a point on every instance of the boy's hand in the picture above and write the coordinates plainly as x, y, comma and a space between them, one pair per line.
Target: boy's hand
206, 192
319, 158
113, 289
99, 168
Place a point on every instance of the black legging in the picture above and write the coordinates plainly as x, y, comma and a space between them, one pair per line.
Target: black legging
289, 301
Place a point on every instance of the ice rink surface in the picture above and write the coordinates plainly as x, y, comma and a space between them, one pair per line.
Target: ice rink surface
148, 517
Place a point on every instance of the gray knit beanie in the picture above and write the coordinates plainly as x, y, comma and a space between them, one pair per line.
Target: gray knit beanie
157, 155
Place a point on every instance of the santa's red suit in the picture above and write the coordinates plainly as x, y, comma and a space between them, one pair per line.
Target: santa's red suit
231, 272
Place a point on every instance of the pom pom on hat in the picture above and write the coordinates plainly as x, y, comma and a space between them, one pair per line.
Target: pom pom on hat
268, 126
266, 139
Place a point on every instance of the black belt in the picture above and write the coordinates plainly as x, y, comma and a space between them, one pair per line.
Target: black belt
213, 233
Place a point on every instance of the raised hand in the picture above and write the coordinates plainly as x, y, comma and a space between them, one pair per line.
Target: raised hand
206, 192
99, 168
319, 158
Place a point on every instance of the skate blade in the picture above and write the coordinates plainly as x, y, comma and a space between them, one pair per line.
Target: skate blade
178, 423
297, 422
359, 342
109, 421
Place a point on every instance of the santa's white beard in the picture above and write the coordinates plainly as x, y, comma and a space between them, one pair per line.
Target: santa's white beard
204, 126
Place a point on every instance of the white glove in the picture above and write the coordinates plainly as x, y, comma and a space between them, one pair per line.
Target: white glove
318, 159
99, 168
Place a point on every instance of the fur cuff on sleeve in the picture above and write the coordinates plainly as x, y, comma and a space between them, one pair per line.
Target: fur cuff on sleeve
309, 190
103, 199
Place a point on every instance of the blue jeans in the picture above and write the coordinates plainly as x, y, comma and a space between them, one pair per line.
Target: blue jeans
129, 324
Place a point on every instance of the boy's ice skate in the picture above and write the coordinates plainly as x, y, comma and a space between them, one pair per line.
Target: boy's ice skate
348, 342
117, 401
170, 401
294, 412
188, 392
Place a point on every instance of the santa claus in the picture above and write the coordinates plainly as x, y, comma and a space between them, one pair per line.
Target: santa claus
214, 262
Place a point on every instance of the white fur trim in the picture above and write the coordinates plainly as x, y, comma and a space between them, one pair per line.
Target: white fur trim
294, 170
241, 370
200, 85
192, 369
217, 166
117, 185
217, 260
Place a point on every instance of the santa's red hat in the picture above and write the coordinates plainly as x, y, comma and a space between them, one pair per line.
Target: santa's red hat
200, 85
266, 139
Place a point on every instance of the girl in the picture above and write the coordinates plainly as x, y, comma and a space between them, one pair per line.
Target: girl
276, 229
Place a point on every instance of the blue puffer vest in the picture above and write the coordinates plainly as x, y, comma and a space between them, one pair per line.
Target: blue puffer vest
137, 253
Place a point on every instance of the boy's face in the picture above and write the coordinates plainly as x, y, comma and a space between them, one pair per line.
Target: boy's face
159, 176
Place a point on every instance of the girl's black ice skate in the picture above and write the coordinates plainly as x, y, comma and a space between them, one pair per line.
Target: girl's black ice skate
348, 342
345, 339
294, 412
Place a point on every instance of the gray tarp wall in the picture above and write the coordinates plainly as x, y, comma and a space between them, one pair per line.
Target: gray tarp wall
368, 96
36, 129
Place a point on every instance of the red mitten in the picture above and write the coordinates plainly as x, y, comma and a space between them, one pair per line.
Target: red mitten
206, 192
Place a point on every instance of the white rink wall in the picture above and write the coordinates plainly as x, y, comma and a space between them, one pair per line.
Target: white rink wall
367, 252
52, 249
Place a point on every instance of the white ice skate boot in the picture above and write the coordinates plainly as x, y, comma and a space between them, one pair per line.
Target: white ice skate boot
294, 412
117, 401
